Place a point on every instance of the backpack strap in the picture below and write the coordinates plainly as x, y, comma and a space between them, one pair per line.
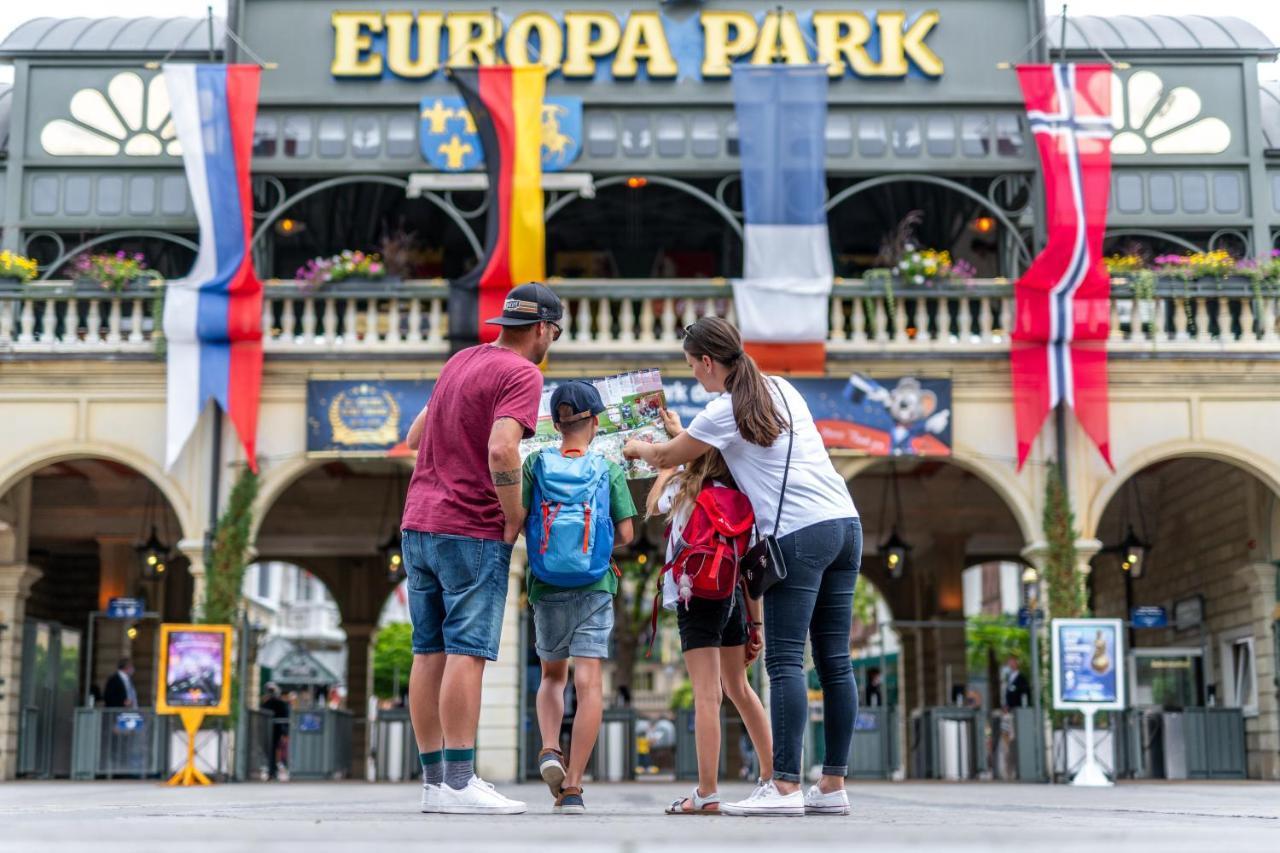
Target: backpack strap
548, 518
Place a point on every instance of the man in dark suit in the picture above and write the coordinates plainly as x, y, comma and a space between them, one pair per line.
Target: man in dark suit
120, 692
1017, 692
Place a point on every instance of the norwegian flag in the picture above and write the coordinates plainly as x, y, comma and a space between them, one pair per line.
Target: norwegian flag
1064, 300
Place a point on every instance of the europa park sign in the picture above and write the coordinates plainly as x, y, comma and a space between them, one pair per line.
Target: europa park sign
593, 45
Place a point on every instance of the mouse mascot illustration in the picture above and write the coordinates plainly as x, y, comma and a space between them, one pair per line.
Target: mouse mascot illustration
913, 408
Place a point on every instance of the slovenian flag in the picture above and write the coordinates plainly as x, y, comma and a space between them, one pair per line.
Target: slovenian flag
213, 317
506, 104
782, 300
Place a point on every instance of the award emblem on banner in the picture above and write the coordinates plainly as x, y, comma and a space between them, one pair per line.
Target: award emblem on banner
364, 414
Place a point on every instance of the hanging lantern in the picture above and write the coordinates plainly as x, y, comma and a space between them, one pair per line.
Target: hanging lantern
1133, 554
393, 559
152, 555
895, 554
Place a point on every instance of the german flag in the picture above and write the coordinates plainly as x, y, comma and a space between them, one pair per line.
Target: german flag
506, 104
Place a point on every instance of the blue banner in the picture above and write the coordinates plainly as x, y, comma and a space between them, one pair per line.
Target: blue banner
1149, 617
125, 608
363, 416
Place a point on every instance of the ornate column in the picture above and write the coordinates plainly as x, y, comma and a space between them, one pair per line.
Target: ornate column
360, 639
16, 580
498, 735
193, 550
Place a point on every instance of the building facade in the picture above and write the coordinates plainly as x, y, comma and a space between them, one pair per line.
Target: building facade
360, 144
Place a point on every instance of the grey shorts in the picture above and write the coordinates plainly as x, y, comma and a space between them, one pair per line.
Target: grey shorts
573, 623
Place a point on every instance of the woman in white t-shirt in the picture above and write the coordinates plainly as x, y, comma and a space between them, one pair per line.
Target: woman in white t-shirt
821, 540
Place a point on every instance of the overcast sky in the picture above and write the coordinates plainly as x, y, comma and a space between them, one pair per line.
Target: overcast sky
1264, 14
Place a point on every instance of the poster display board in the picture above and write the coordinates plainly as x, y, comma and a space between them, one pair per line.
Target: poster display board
1088, 664
195, 669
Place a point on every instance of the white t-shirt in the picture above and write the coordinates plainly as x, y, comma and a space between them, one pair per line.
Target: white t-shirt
815, 492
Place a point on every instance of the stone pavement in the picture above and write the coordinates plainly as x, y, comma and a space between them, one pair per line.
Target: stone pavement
129, 817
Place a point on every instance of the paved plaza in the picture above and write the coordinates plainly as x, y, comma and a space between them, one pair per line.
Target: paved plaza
128, 817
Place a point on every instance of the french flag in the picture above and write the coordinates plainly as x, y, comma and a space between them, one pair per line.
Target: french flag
213, 317
782, 300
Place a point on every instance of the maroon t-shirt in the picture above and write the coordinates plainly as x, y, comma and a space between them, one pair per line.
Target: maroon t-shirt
452, 490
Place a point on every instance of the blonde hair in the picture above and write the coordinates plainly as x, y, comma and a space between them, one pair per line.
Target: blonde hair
698, 474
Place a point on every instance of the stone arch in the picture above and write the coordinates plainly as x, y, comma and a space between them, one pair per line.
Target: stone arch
12, 472
278, 479
1263, 469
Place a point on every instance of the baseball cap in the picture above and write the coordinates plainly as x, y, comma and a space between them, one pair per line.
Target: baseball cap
581, 397
527, 304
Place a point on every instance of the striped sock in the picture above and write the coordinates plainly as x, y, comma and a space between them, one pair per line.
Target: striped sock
459, 767
432, 767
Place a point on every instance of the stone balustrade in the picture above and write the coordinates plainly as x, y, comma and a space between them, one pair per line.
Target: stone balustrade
634, 316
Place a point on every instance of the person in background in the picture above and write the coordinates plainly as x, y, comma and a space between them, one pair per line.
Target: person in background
1017, 692
120, 692
462, 517
875, 697
279, 727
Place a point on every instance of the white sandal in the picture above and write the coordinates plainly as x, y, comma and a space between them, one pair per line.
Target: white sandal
708, 805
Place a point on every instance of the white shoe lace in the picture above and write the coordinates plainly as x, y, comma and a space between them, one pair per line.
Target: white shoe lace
763, 789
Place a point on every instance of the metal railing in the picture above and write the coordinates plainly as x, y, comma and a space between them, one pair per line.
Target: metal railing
643, 315
119, 742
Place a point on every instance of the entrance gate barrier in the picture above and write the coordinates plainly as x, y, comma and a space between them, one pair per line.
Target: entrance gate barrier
395, 752
687, 746
47, 699
614, 757
116, 742
947, 743
873, 753
1151, 743
320, 744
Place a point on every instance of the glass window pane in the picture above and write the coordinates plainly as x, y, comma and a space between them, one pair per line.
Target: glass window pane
1009, 140
839, 136
173, 195
110, 195
975, 135
637, 137
297, 136
705, 133
44, 195
1227, 193
265, 131
602, 135
366, 137
1162, 194
873, 139
1195, 193
940, 136
402, 134
670, 135
142, 195
1275, 193
731, 138
75, 195
332, 137
906, 136
1129, 193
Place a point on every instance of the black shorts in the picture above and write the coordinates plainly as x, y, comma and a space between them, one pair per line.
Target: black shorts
708, 624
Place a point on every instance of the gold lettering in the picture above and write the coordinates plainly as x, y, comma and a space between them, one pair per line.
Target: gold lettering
644, 39
893, 61
352, 40
780, 39
725, 35
402, 32
841, 36
913, 44
473, 39
588, 35
550, 40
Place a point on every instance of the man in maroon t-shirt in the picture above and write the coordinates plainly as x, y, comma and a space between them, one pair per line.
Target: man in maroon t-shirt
461, 518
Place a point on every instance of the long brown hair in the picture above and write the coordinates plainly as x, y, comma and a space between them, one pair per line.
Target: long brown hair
754, 409
702, 471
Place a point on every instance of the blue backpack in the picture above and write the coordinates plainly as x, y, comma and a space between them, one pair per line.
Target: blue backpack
570, 528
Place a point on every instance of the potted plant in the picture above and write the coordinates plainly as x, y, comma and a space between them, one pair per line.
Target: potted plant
349, 269
115, 272
15, 270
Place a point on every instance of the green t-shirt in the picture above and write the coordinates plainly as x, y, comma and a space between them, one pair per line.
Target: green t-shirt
620, 507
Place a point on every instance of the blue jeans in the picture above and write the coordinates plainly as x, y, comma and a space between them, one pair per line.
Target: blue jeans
816, 600
573, 623
457, 592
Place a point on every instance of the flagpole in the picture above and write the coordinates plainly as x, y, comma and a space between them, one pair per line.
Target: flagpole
215, 466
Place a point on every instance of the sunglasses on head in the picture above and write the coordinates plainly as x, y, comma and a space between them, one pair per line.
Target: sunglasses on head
687, 331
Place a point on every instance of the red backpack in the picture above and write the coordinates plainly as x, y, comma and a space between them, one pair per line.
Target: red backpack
712, 543
709, 549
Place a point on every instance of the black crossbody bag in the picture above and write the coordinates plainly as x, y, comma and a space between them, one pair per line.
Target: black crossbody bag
763, 566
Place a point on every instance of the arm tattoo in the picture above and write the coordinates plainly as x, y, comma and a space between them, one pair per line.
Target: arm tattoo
506, 478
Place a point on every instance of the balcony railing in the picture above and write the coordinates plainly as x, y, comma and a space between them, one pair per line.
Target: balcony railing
624, 316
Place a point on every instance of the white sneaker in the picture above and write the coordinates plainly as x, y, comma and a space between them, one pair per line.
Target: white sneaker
816, 802
767, 801
430, 798
479, 797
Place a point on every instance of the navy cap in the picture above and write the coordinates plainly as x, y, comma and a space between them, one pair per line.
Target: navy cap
581, 397
528, 304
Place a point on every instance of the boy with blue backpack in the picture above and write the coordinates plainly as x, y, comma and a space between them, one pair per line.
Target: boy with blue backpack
579, 511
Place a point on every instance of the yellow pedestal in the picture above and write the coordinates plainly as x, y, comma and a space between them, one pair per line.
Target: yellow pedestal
189, 775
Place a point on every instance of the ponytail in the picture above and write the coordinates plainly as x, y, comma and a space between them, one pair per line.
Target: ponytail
754, 410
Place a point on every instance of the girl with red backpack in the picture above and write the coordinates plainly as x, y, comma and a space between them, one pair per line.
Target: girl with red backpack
709, 528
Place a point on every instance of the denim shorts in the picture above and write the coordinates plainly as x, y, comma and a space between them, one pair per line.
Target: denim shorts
573, 623
457, 592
